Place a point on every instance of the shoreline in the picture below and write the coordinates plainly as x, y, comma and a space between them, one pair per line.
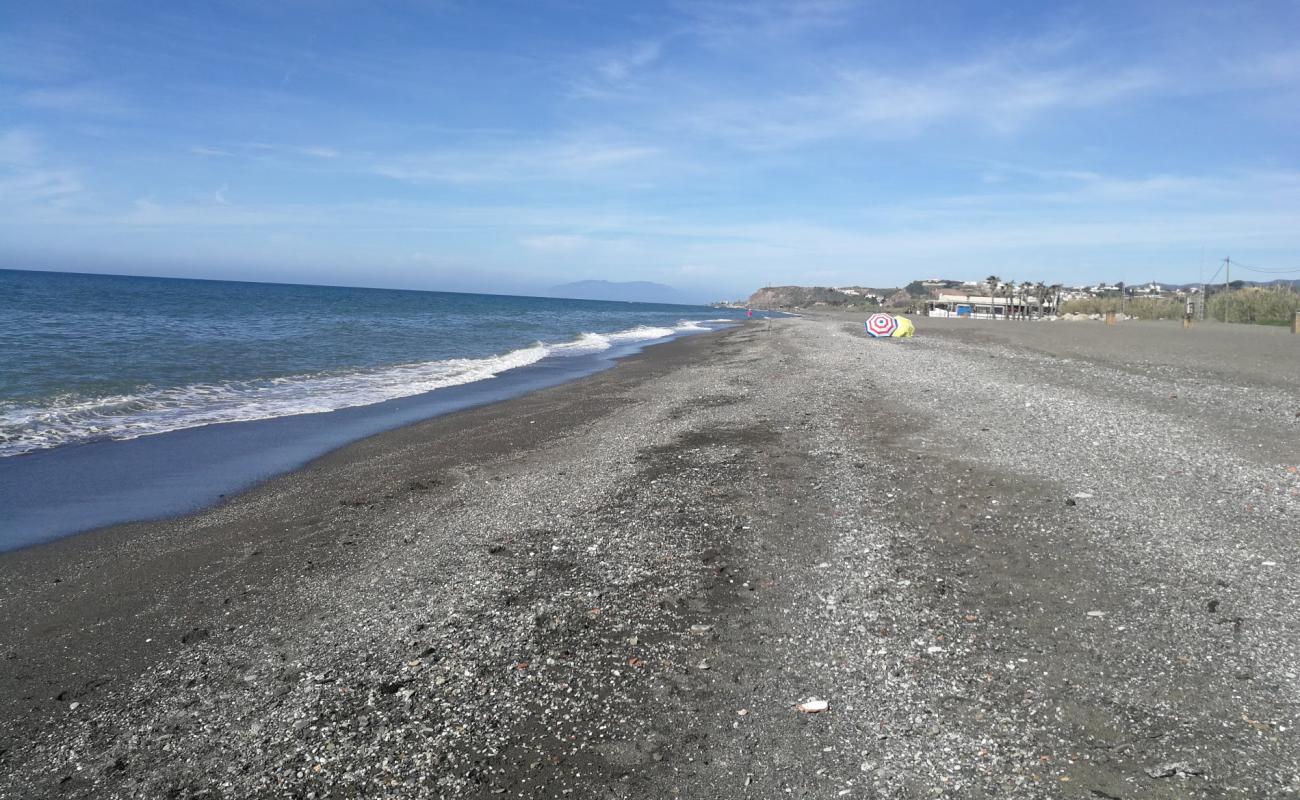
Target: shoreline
160, 476
1014, 561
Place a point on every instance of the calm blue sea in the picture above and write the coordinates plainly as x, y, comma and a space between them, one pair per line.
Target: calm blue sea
125, 399
95, 357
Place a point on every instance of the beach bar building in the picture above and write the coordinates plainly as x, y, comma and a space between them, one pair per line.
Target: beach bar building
959, 303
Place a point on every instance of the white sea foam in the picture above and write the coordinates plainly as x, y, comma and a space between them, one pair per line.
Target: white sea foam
72, 419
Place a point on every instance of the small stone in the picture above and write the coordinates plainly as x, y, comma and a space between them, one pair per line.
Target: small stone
1171, 768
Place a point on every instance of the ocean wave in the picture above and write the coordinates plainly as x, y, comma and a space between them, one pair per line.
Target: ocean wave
71, 419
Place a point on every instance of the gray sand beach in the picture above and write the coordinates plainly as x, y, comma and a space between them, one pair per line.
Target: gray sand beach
1014, 559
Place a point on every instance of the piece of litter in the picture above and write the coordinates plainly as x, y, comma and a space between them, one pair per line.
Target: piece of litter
1270, 563
742, 712
1096, 613
697, 629
813, 706
933, 650
1083, 496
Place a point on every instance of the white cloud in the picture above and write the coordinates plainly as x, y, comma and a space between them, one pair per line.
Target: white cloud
561, 160
728, 23
82, 99
18, 146
203, 150
26, 176
38, 184
617, 68
997, 95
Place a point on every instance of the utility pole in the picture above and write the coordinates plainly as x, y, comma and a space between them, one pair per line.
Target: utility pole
1227, 285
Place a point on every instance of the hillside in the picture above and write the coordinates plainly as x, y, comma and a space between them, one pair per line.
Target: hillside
803, 296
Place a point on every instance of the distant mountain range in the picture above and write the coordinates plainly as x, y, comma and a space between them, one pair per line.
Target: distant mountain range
626, 291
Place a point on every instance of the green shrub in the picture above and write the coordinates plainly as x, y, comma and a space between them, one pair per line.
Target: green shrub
1140, 307
1254, 305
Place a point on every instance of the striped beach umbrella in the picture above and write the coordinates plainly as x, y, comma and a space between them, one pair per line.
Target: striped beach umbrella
881, 325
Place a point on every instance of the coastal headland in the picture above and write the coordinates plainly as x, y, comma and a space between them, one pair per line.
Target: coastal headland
1013, 560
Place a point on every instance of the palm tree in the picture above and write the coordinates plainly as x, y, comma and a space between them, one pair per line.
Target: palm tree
992, 281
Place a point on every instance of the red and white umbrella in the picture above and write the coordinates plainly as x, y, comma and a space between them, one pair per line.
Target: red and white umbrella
881, 325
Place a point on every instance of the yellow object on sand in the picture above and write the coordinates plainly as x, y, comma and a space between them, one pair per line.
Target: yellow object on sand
905, 328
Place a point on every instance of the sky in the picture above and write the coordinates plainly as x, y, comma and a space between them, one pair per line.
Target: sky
713, 146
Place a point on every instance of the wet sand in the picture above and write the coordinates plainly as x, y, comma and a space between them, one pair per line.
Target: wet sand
1017, 560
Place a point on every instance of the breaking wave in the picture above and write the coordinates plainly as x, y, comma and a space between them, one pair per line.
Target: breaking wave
76, 419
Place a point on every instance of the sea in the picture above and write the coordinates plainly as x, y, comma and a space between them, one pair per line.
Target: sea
116, 389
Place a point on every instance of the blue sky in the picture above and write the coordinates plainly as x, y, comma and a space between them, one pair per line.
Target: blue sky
713, 146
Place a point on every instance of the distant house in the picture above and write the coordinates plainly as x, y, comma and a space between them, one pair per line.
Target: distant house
962, 303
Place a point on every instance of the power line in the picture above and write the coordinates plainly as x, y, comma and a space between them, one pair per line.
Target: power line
1287, 271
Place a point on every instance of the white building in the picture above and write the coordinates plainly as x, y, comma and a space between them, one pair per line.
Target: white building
960, 303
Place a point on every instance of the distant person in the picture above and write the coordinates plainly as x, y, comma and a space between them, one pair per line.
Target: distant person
749, 313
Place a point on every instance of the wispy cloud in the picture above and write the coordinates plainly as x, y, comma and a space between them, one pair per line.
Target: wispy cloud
731, 22
18, 147
80, 99
34, 185
209, 152
618, 67
563, 160
611, 72
263, 149
26, 176
997, 94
